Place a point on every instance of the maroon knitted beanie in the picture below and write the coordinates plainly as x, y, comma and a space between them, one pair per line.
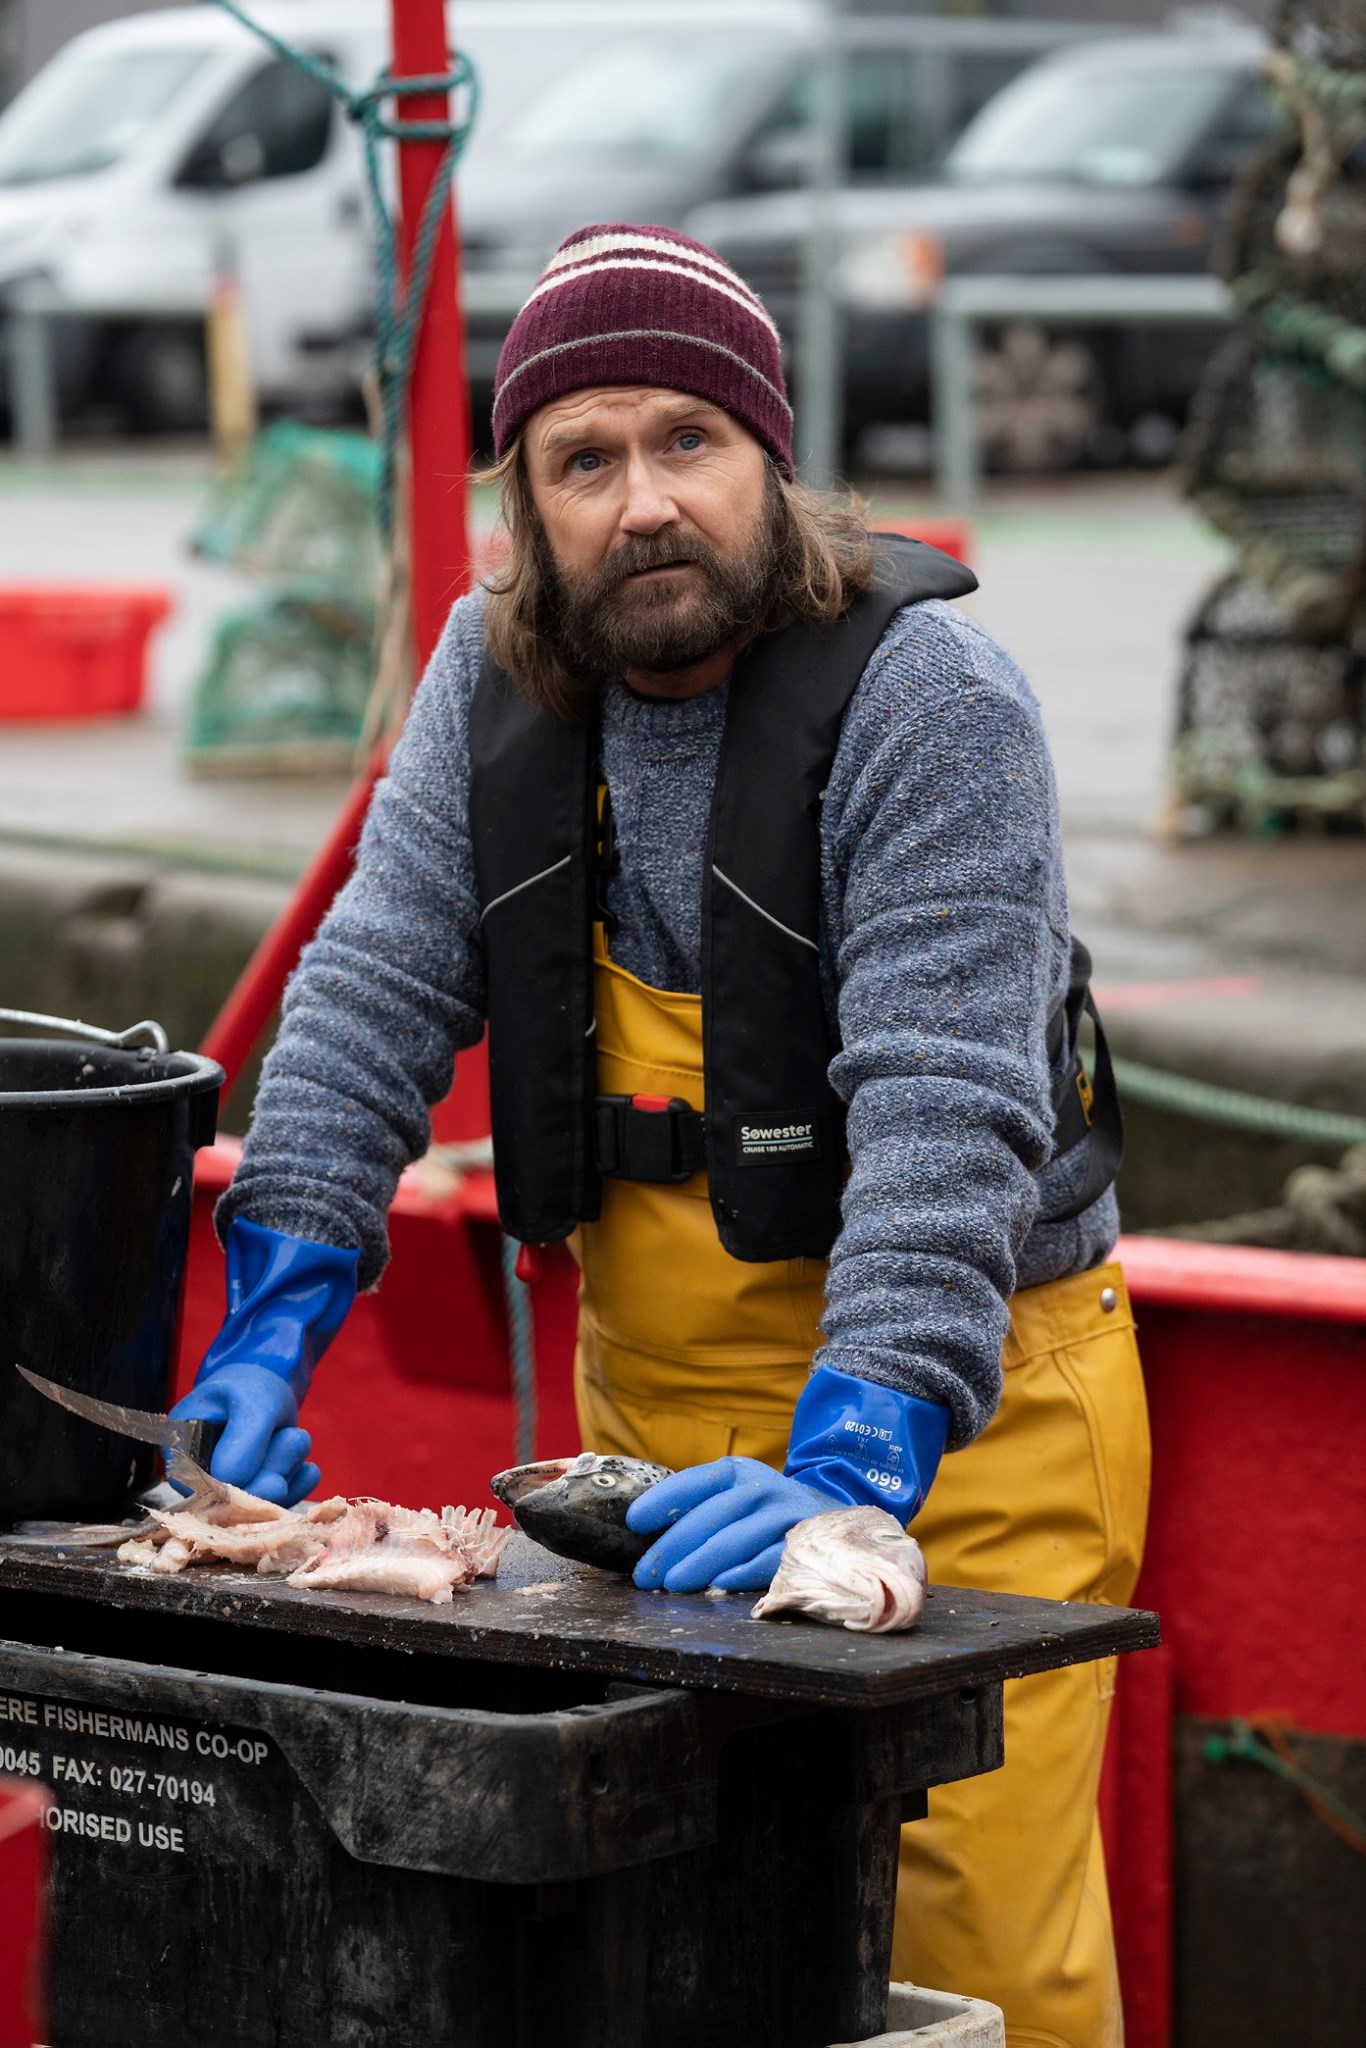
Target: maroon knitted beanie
618, 304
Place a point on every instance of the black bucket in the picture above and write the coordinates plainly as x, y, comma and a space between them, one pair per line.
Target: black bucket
97, 1145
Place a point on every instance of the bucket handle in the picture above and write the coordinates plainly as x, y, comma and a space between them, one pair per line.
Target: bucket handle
75, 1029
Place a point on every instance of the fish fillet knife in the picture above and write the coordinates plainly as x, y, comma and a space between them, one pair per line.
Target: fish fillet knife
196, 1437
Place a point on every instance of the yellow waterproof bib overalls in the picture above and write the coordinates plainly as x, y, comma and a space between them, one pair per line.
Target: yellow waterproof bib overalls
686, 1354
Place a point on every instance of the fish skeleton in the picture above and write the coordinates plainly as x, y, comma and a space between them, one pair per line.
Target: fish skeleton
362, 1545
853, 1567
577, 1506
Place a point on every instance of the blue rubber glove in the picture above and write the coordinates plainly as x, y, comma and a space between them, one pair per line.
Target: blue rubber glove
723, 1524
287, 1299
853, 1444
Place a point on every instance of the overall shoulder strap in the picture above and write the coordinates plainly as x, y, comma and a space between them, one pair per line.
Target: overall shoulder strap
775, 1136
531, 824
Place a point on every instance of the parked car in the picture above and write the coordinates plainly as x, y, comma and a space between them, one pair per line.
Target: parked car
1117, 156
150, 146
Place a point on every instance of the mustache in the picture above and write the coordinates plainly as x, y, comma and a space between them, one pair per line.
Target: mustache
642, 551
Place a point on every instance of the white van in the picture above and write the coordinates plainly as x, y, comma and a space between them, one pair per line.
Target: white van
150, 146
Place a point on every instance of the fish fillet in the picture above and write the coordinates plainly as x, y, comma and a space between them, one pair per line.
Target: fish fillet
416, 1574
364, 1545
261, 1546
854, 1567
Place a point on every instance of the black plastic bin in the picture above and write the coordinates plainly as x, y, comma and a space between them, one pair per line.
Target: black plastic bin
97, 1145
564, 1862
336, 1820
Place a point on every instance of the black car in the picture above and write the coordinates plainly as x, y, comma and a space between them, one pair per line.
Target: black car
1115, 156
691, 101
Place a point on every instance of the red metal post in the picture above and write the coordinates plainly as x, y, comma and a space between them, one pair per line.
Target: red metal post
438, 413
438, 438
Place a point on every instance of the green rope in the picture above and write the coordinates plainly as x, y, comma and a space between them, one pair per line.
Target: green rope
1243, 1745
1301, 331
399, 317
1206, 1103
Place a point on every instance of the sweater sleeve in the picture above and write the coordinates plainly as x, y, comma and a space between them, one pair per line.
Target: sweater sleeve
946, 904
391, 988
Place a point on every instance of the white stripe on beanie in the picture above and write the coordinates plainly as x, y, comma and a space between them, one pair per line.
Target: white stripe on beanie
739, 296
559, 348
641, 242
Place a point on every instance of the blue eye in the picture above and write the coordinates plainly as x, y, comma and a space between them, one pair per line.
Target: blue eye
585, 463
690, 439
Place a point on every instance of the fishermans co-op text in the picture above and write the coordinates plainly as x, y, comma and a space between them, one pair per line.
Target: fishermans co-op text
68, 1720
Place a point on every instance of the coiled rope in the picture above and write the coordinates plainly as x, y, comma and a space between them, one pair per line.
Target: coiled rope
399, 312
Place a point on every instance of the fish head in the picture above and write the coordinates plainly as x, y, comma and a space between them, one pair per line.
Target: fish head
577, 1506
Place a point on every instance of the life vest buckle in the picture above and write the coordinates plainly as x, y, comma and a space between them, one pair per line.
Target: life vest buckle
657, 1138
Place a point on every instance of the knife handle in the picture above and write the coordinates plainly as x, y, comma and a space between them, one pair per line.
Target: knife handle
200, 1437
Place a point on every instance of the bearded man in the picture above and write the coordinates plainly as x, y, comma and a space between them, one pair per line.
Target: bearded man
742, 841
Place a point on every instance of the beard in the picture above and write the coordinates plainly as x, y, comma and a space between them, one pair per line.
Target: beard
605, 623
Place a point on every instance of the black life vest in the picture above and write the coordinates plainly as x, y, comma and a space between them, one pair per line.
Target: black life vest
772, 1130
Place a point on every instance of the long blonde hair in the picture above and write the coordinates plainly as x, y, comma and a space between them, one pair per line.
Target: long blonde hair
823, 555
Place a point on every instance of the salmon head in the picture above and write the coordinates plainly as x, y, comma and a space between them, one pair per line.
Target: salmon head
577, 1506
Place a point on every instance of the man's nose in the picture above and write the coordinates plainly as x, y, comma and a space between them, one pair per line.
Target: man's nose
648, 505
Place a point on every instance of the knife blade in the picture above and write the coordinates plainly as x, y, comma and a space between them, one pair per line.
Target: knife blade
197, 1437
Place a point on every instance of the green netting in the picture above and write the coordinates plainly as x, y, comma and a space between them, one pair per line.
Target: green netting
289, 677
300, 510
285, 691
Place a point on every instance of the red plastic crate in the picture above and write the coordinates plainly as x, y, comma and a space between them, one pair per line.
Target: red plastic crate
76, 650
22, 1861
950, 536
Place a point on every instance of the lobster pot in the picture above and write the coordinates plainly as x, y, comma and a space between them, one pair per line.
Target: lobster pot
1272, 720
97, 1148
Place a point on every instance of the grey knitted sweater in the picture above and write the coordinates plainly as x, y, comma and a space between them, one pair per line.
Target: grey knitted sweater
944, 947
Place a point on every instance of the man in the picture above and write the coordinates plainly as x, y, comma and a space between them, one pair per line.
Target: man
743, 841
